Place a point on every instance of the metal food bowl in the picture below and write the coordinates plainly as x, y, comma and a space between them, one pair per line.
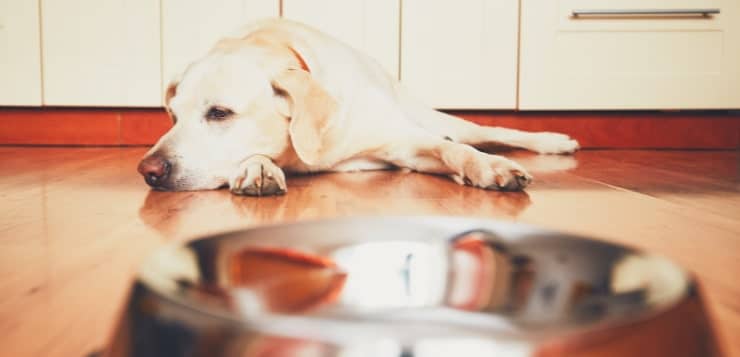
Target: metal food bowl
401, 287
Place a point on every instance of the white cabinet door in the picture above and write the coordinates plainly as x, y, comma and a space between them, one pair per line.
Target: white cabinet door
460, 54
101, 53
629, 61
370, 26
20, 60
190, 28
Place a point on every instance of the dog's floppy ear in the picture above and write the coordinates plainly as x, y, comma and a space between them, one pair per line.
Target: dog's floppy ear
168, 94
310, 108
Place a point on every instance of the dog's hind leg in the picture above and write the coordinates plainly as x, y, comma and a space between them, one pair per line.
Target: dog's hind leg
459, 130
461, 162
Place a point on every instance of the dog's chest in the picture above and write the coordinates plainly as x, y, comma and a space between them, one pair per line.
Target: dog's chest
360, 165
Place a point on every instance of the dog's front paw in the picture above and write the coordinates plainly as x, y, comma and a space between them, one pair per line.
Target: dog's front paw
494, 173
258, 176
553, 143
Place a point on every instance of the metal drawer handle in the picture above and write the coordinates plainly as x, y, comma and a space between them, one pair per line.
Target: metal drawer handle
641, 12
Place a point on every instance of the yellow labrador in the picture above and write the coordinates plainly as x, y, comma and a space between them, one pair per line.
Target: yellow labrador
280, 97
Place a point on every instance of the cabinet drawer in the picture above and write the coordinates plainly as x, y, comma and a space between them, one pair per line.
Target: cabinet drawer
628, 54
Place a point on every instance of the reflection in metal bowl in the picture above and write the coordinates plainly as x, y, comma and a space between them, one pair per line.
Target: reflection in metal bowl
409, 287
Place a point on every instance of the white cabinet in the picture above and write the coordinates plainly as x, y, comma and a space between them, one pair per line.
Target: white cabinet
465, 54
20, 59
190, 28
460, 54
629, 61
101, 53
369, 25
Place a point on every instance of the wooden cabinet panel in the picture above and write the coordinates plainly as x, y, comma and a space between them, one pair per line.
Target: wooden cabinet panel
627, 61
191, 28
20, 59
369, 25
101, 53
460, 54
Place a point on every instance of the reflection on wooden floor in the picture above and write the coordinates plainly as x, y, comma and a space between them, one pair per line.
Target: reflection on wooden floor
75, 223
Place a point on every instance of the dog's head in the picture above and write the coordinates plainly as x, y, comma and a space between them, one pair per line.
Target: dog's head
246, 97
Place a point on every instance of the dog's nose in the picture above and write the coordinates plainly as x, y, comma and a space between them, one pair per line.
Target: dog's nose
155, 170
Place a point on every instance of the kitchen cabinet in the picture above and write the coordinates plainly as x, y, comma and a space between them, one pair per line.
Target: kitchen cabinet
467, 54
101, 53
20, 61
460, 54
619, 57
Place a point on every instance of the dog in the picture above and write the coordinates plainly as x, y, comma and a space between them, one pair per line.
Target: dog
279, 96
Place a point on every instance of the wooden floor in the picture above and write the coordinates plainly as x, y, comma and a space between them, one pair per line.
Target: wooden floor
75, 222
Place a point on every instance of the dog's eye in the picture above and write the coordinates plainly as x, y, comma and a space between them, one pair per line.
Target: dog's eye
218, 113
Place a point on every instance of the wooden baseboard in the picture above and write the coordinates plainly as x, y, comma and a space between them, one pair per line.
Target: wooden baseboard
627, 129
82, 126
623, 130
